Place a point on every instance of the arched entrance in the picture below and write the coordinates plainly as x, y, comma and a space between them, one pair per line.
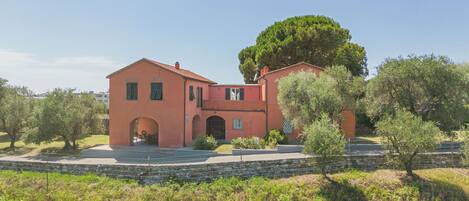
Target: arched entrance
196, 127
144, 131
216, 127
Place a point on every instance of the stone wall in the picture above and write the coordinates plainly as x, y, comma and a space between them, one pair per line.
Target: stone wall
207, 172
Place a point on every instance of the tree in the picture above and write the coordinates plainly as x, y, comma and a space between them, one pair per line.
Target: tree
318, 40
428, 86
406, 135
323, 137
303, 97
15, 112
65, 115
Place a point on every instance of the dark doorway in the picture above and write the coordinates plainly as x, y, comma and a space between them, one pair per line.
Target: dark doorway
216, 127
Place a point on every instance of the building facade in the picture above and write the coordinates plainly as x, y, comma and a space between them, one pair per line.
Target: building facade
169, 106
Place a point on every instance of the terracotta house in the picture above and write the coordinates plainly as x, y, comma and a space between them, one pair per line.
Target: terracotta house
171, 106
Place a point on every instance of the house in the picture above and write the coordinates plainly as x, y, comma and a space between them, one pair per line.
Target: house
170, 106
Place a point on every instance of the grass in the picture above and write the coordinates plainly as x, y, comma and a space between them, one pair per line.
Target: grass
53, 147
367, 139
432, 184
224, 149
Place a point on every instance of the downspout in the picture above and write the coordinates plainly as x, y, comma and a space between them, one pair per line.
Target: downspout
184, 116
266, 106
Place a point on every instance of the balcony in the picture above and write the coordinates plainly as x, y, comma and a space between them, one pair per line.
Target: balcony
228, 105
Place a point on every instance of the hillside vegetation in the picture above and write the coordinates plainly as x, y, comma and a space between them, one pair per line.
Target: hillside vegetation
433, 184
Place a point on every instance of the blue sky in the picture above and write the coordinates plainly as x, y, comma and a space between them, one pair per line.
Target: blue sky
48, 44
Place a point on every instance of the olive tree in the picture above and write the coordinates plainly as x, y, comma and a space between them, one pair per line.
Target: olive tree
303, 97
324, 138
428, 86
67, 116
15, 112
405, 135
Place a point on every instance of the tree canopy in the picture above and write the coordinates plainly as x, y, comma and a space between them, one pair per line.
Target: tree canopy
318, 40
65, 115
405, 135
428, 86
303, 97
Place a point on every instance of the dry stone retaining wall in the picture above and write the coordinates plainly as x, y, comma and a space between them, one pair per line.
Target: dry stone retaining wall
208, 172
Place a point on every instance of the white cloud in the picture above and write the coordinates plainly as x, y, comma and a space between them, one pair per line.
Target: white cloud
43, 74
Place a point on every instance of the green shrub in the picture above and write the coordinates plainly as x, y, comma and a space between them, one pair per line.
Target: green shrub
248, 143
205, 143
275, 137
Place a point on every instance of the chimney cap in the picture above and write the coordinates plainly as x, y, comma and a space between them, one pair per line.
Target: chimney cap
176, 65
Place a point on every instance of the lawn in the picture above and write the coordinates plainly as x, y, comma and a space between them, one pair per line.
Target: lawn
433, 184
54, 147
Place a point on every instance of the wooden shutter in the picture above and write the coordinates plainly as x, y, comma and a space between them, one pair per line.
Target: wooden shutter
191, 93
129, 91
156, 91
241, 94
227, 93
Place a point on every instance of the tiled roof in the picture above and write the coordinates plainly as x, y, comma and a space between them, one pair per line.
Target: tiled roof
182, 72
290, 66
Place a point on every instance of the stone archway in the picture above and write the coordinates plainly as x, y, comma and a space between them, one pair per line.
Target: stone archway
216, 127
144, 130
196, 127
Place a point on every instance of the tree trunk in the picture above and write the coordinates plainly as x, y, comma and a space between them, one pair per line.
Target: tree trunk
12, 142
67, 144
74, 143
408, 168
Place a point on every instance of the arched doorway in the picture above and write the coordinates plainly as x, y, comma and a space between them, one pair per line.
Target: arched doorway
216, 127
144, 131
196, 127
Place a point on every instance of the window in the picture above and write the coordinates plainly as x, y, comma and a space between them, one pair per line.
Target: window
156, 91
200, 96
132, 91
191, 93
237, 124
234, 93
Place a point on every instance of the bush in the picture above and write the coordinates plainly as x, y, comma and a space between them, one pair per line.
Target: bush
248, 143
205, 143
275, 137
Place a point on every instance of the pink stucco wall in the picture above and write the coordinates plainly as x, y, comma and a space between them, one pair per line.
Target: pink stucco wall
178, 118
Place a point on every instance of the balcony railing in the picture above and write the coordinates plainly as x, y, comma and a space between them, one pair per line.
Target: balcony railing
234, 105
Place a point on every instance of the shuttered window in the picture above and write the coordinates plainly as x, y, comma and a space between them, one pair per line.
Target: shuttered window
200, 96
156, 91
132, 91
191, 93
234, 93
237, 124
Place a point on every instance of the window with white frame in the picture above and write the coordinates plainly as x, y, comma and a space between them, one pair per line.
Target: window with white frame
237, 124
235, 94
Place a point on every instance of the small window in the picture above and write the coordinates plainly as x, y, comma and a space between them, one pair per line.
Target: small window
132, 91
191, 93
237, 124
234, 94
156, 91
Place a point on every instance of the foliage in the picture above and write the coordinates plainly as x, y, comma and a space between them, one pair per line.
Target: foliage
275, 136
428, 86
323, 138
318, 40
15, 112
465, 146
385, 185
303, 96
65, 115
248, 143
405, 135
205, 143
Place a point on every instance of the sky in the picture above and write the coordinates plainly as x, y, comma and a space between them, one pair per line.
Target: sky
75, 44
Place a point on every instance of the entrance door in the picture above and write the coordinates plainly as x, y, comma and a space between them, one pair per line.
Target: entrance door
216, 127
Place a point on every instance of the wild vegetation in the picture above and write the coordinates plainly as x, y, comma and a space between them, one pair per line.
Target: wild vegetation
382, 185
205, 142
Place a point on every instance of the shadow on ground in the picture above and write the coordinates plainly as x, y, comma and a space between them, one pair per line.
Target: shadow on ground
341, 190
435, 190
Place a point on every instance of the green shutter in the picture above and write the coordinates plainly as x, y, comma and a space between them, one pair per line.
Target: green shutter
156, 91
132, 91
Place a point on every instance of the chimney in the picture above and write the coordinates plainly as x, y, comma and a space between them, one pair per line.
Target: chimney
176, 65
264, 70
